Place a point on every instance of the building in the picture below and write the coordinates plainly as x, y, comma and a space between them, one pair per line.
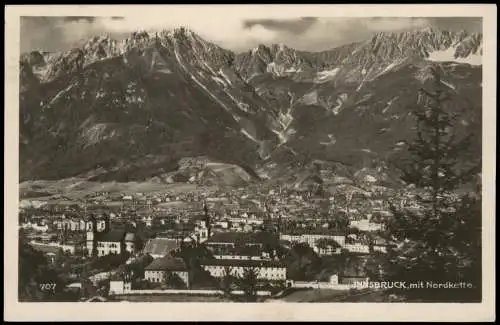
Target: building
53, 247
366, 225
332, 283
380, 245
160, 247
117, 287
235, 239
158, 270
357, 248
267, 270
102, 240
326, 247
239, 253
35, 226
311, 238
70, 224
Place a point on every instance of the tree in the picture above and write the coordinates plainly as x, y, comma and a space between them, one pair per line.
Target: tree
192, 257
440, 241
227, 281
248, 283
302, 262
173, 280
38, 281
136, 269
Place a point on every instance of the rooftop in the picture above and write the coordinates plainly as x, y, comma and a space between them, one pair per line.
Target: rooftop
115, 235
160, 246
129, 237
167, 264
260, 237
306, 231
242, 263
240, 250
47, 249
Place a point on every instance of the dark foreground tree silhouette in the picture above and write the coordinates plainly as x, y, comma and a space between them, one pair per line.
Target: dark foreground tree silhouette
38, 280
248, 283
227, 281
438, 244
172, 280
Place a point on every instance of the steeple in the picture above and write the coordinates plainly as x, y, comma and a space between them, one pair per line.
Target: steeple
207, 218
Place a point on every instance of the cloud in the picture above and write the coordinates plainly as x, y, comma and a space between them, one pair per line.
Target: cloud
471, 24
395, 24
237, 30
294, 25
79, 18
324, 33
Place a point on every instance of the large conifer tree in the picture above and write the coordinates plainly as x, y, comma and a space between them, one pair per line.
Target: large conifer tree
440, 240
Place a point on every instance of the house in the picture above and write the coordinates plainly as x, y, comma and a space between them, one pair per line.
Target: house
267, 270
117, 287
160, 247
239, 253
70, 224
102, 240
311, 237
224, 224
366, 225
112, 242
234, 239
148, 220
52, 248
380, 245
357, 248
39, 227
326, 247
158, 269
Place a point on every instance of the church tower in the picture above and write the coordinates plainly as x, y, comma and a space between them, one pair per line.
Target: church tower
207, 219
91, 229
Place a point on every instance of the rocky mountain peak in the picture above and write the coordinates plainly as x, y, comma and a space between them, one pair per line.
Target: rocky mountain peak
171, 94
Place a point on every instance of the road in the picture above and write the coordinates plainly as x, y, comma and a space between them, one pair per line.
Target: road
328, 295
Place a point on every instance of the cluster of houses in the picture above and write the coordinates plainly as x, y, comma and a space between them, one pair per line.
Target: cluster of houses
236, 242
233, 252
326, 241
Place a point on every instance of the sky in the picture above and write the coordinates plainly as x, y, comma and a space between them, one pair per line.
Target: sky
235, 32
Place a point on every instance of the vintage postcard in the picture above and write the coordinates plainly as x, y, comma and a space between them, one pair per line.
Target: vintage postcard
250, 162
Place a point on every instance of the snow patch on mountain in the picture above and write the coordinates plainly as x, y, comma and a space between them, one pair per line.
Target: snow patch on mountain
61, 93
96, 133
448, 85
219, 81
285, 120
340, 102
249, 136
331, 138
326, 75
390, 67
226, 78
448, 55
310, 98
389, 104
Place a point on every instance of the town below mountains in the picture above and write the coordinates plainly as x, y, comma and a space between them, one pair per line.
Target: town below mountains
166, 164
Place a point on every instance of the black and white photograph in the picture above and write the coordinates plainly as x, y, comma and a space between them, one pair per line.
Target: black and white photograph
250, 159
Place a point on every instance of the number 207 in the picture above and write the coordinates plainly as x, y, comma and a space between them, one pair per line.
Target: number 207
47, 286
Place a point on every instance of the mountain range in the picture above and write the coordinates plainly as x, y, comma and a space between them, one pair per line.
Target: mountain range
140, 108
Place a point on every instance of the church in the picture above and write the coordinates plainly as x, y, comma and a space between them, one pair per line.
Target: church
102, 240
